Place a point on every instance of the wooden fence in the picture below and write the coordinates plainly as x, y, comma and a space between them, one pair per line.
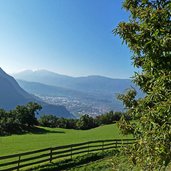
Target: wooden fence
46, 155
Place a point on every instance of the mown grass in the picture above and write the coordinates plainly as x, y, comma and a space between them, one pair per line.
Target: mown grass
52, 137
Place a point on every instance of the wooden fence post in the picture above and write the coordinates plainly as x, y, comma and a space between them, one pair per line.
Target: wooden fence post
50, 159
19, 158
71, 152
116, 143
88, 147
102, 146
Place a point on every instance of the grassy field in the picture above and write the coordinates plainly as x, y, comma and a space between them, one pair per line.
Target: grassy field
114, 163
52, 137
102, 165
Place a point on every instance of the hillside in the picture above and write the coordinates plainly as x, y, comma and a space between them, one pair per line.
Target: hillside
11, 95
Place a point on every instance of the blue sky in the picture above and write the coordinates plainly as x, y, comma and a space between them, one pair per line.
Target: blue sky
72, 37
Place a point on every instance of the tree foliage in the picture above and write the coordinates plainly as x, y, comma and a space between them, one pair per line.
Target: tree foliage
18, 120
148, 35
86, 122
83, 123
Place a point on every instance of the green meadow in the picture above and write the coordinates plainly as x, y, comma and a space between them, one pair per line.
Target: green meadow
43, 137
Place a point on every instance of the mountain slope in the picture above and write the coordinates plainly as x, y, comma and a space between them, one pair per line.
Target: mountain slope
11, 95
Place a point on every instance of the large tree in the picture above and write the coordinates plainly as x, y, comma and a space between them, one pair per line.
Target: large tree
25, 115
148, 35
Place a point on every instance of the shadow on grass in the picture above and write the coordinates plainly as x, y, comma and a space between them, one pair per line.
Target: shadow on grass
40, 130
32, 130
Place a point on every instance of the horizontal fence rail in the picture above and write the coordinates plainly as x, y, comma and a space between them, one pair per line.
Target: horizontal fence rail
47, 155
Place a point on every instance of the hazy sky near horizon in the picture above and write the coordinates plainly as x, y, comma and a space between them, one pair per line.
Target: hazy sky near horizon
72, 37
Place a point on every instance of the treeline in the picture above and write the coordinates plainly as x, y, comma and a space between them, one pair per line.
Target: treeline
22, 119
83, 123
19, 120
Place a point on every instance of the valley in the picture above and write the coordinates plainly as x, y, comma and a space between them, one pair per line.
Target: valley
91, 95
76, 106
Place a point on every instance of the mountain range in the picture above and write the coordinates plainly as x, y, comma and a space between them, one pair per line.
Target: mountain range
91, 95
11, 95
84, 84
